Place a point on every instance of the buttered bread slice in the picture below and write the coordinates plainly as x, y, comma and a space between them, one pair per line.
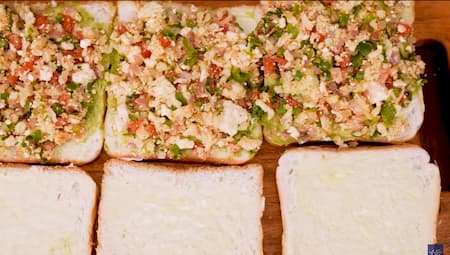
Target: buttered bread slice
158, 209
379, 200
46, 210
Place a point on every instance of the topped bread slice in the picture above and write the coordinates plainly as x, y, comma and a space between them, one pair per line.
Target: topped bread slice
339, 71
51, 85
179, 78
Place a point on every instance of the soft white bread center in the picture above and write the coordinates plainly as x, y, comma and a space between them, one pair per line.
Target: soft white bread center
45, 212
358, 202
161, 211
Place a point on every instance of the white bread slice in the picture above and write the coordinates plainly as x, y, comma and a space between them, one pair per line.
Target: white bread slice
160, 209
220, 144
378, 200
46, 210
308, 128
85, 147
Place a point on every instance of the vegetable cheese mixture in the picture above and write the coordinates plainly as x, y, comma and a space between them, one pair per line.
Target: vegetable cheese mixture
337, 70
182, 79
50, 77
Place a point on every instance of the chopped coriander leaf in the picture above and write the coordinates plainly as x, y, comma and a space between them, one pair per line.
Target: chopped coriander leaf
11, 126
343, 20
168, 122
356, 9
199, 103
257, 112
36, 136
239, 76
4, 95
58, 109
356, 60
168, 33
365, 47
191, 23
3, 42
291, 29
281, 109
254, 41
298, 75
280, 52
180, 97
296, 9
359, 75
132, 117
278, 32
278, 12
368, 18
72, 86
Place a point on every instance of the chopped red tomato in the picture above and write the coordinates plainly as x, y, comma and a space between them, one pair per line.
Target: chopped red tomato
133, 125
78, 35
64, 98
215, 71
41, 20
68, 23
272, 105
164, 41
12, 79
60, 122
151, 129
54, 79
292, 102
321, 37
389, 83
345, 61
269, 63
254, 94
77, 54
27, 66
122, 28
15, 40
144, 51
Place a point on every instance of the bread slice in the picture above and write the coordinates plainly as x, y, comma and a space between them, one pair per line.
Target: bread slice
46, 210
369, 200
179, 87
175, 209
339, 71
53, 101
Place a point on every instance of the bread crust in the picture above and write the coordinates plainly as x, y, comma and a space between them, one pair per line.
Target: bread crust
185, 168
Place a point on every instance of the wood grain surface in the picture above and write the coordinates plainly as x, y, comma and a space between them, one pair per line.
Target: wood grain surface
432, 22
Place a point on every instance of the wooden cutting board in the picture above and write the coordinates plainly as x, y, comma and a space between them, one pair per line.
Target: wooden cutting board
432, 21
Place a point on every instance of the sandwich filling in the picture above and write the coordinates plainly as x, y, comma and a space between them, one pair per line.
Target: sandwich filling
180, 79
50, 76
337, 70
